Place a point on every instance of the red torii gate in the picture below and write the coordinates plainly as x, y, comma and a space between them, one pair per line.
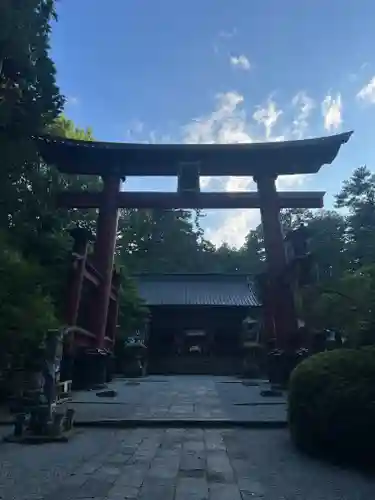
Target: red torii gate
262, 161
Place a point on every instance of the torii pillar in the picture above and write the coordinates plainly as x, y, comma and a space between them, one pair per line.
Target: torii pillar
281, 300
105, 244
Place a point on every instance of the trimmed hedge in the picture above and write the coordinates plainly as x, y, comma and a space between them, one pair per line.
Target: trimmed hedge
332, 404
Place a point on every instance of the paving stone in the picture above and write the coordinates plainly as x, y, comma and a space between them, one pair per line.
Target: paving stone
168, 455
193, 434
92, 488
219, 468
245, 495
123, 493
192, 465
118, 458
167, 463
95, 487
193, 445
157, 490
89, 467
91, 498
75, 479
215, 444
191, 489
241, 467
131, 476
224, 492
251, 486
179, 397
128, 450
163, 472
108, 470
141, 458
238, 452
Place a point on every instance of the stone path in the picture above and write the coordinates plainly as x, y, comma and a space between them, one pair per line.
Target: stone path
174, 464
202, 398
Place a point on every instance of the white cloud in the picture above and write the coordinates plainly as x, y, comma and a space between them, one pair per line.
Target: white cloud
136, 132
229, 123
367, 93
241, 62
304, 106
332, 112
268, 116
234, 227
226, 124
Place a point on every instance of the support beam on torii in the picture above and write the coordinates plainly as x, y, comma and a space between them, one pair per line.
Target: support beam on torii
263, 161
170, 200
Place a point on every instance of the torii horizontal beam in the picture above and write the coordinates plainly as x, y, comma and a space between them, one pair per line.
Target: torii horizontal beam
171, 200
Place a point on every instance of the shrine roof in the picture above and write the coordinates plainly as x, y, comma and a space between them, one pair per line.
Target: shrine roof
197, 290
130, 159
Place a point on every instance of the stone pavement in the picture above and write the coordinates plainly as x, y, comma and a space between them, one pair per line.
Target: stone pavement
173, 464
203, 398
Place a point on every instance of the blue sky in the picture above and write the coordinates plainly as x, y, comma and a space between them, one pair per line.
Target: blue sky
221, 71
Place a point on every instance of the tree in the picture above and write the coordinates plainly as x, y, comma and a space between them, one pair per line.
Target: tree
347, 305
37, 228
358, 197
327, 231
29, 101
159, 241
29, 97
253, 253
133, 313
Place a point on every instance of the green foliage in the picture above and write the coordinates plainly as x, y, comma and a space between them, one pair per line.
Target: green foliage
26, 311
133, 313
30, 98
344, 249
29, 101
358, 196
331, 403
347, 307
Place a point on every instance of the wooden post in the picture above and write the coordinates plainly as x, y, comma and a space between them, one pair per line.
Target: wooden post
280, 293
106, 232
77, 271
114, 310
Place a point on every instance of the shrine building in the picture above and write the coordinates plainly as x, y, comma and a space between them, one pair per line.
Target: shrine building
197, 321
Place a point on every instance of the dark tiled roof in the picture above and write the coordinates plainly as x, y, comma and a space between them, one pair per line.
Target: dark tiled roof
197, 289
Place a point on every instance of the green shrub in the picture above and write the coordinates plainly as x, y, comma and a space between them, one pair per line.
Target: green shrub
332, 404
26, 311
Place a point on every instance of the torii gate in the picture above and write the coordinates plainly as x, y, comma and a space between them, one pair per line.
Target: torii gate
262, 161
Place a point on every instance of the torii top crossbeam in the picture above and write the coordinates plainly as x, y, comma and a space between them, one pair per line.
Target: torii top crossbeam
128, 159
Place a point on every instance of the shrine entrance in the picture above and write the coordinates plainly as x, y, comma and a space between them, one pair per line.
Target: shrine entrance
196, 323
264, 162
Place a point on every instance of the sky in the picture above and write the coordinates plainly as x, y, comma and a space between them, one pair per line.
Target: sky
220, 71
